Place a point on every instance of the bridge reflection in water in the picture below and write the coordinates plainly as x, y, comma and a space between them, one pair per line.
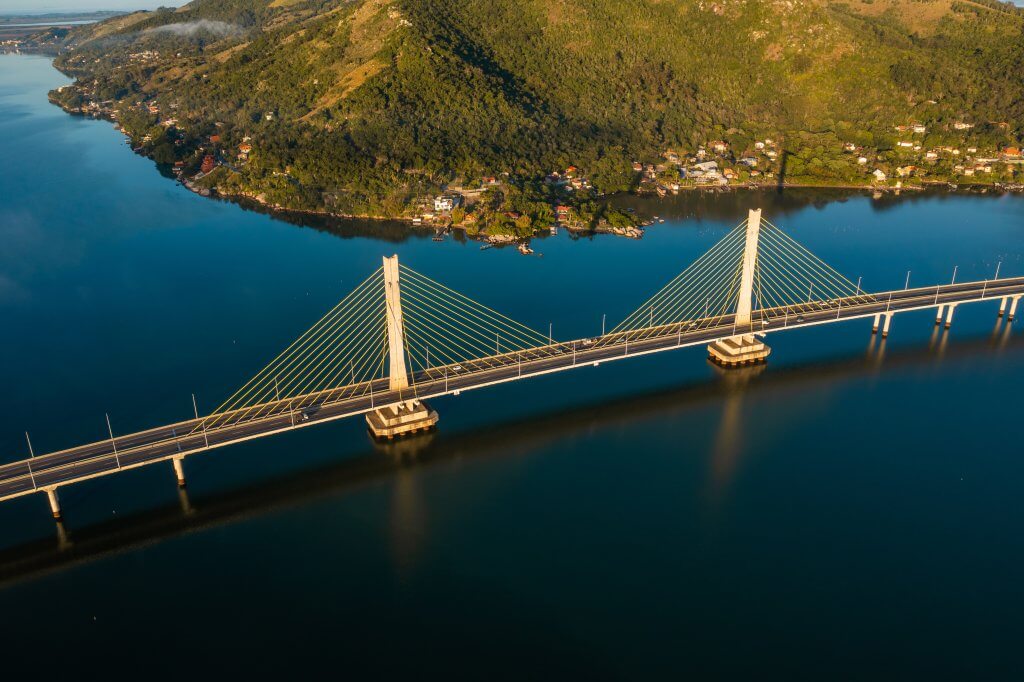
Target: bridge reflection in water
401, 338
404, 458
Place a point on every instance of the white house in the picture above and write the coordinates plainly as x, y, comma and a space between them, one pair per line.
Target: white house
446, 202
879, 175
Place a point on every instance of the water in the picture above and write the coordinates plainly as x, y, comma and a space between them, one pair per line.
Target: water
852, 511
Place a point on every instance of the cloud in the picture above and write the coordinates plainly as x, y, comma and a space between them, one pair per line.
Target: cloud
191, 28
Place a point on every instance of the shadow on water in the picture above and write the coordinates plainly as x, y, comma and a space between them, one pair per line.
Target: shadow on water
41, 557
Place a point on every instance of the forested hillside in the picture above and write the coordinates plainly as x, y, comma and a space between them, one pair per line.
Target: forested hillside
366, 106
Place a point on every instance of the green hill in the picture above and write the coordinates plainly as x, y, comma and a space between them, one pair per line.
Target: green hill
361, 106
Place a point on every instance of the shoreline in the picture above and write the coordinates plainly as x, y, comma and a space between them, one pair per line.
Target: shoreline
497, 240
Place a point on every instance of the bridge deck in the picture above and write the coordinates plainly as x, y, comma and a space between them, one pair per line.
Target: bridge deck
188, 437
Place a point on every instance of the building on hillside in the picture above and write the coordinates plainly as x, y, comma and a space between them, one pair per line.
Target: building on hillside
879, 175
446, 202
862, 160
961, 125
209, 163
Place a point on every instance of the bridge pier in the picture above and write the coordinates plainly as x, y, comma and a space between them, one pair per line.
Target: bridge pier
401, 419
874, 324
885, 325
938, 314
179, 470
1013, 308
1002, 306
51, 496
949, 315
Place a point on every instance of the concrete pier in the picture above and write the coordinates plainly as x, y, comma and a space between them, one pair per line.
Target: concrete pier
938, 314
949, 316
1013, 308
1002, 306
885, 325
51, 495
401, 419
179, 471
737, 351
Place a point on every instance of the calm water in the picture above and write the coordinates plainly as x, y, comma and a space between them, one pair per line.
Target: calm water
852, 511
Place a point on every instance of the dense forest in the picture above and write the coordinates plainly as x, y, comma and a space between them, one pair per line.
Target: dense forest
368, 106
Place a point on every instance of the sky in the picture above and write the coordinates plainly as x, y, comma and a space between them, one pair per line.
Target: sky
40, 6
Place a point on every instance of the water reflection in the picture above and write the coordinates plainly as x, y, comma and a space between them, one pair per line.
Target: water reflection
729, 439
400, 464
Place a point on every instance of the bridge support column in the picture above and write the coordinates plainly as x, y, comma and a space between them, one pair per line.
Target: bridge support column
51, 495
938, 314
874, 324
407, 416
1013, 308
744, 349
179, 470
949, 315
885, 325
1002, 306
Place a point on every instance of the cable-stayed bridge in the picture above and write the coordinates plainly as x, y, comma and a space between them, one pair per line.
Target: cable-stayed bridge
400, 338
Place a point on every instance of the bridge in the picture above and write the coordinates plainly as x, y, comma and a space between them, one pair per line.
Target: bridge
400, 338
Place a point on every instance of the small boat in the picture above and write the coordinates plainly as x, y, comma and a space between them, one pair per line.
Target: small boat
484, 247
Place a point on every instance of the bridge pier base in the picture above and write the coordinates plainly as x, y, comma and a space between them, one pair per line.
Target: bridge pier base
51, 496
737, 351
401, 419
1002, 306
938, 314
874, 324
885, 325
1013, 308
179, 471
949, 316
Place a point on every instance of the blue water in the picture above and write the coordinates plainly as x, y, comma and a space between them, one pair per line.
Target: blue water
851, 511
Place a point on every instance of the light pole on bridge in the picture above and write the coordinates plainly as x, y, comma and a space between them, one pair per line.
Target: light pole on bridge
907, 284
112, 441
955, 268
195, 409
32, 455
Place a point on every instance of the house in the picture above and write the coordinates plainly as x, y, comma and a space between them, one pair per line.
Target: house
707, 166
931, 155
446, 202
749, 161
562, 211
908, 145
849, 147
919, 129
1011, 153
490, 180
905, 171
960, 125
759, 145
209, 163
719, 146
862, 160
269, 116
637, 166
245, 148
771, 153
214, 139
879, 175
729, 174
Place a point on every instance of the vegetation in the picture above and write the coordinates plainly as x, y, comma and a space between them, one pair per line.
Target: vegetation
366, 107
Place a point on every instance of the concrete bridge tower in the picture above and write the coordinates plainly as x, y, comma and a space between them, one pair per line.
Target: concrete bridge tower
408, 415
744, 348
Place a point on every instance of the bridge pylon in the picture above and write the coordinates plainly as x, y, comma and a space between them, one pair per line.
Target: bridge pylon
745, 348
409, 415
